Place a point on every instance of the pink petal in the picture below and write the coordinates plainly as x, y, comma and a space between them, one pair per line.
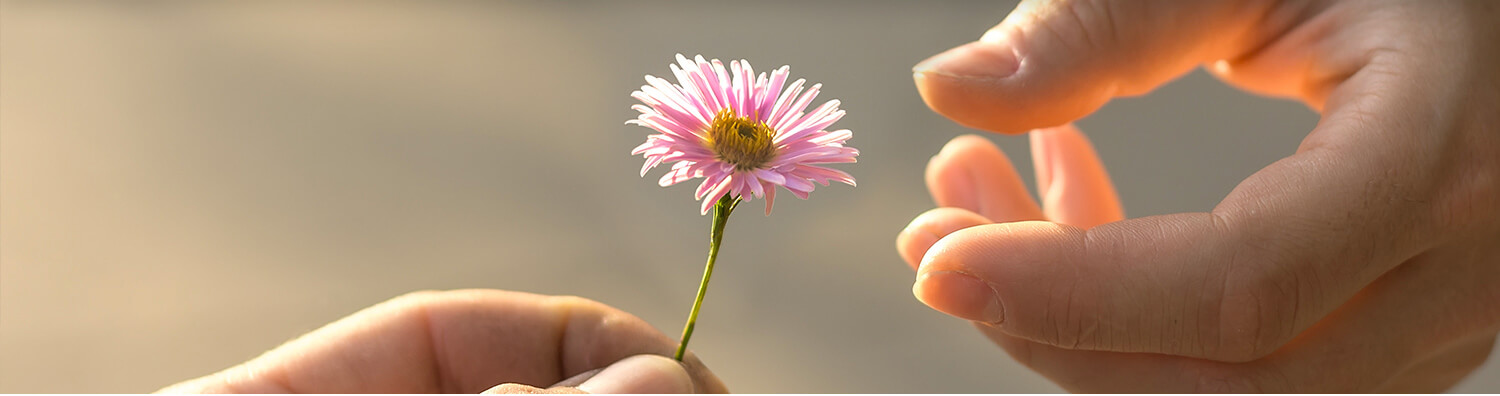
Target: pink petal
795, 111
664, 92
667, 94
823, 175
681, 173
736, 87
803, 156
783, 102
649, 144
663, 125
718, 192
826, 115
823, 116
710, 82
711, 180
651, 162
754, 182
742, 188
770, 176
844, 156
695, 156
834, 137
688, 87
796, 184
758, 97
692, 76
770, 197
747, 89
768, 94
722, 82
689, 116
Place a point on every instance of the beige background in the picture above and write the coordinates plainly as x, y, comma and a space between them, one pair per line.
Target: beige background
185, 184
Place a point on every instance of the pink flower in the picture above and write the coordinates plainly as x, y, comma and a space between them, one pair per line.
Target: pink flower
740, 132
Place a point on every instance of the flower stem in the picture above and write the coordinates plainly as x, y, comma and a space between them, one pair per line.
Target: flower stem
715, 236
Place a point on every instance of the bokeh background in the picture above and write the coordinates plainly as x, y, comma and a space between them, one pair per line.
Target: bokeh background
186, 184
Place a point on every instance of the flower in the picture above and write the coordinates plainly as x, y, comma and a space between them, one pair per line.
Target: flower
741, 132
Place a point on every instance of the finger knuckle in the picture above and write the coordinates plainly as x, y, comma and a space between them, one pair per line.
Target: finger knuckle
1083, 24
1076, 315
1067, 325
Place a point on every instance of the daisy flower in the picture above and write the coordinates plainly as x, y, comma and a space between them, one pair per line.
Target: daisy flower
742, 133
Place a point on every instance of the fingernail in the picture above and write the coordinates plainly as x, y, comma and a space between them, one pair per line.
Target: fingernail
640, 374
960, 294
978, 59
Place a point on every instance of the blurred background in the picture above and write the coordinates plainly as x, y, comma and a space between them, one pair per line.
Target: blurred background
184, 185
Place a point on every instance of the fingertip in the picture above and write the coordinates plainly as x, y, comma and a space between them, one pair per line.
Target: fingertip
1072, 181
984, 59
945, 81
641, 374
704, 380
972, 173
929, 227
1007, 105
959, 294
968, 141
1017, 262
948, 180
979, 248
913, 242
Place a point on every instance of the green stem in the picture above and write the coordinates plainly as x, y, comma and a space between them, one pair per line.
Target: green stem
715, 236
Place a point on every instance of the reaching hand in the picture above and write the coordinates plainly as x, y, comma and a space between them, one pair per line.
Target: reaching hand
1369, 260
468, 341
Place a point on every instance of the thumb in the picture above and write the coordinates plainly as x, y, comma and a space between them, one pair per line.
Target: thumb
1052, 62
637, 374
640, 374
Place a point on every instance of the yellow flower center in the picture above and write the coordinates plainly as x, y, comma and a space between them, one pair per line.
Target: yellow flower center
741, 141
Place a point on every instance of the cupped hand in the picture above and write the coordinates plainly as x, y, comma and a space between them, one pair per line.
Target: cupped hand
468, 341
1368, 260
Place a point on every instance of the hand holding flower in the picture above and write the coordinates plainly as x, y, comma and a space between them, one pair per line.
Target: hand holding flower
467, 341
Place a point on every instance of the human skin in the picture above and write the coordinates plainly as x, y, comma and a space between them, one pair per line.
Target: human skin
468, 341
1368, 260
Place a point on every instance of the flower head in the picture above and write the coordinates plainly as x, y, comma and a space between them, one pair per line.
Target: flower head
739, 131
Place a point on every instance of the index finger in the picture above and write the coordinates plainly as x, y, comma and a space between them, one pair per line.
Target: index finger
454, 341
